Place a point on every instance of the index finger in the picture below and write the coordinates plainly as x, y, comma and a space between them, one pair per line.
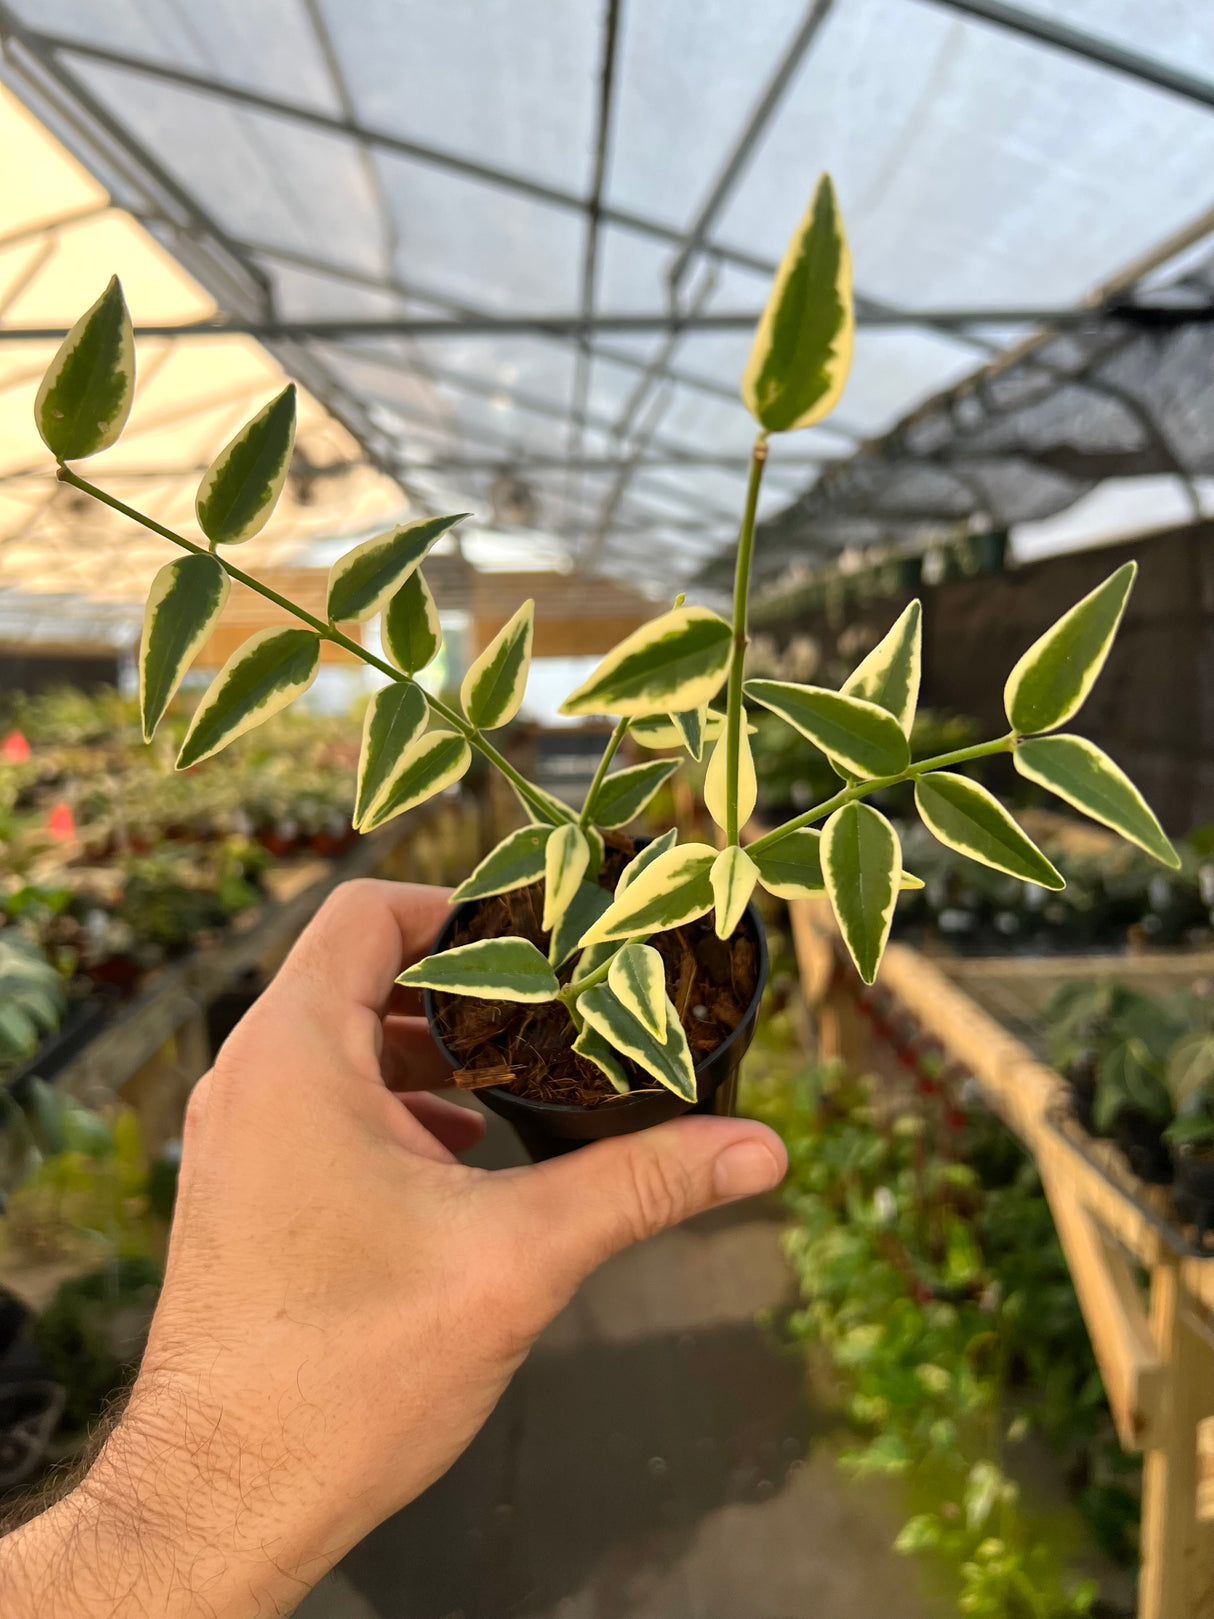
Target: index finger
364, 934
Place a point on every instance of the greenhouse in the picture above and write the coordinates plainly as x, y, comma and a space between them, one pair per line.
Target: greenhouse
607, 809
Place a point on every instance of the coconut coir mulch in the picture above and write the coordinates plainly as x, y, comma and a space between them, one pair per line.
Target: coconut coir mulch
528, 1049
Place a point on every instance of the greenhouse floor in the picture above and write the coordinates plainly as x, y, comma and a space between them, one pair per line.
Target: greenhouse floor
656, 1458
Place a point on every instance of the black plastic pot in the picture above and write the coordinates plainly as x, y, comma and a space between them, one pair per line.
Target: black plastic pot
547, 1129
1193, 1188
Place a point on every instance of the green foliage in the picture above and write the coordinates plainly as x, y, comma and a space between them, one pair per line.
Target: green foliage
490, 969
673, 663
493, 687
1050, 682
183, 606
862, 871
269, 671
366, 578
240, 488
85, 397
32, 998
931, 1277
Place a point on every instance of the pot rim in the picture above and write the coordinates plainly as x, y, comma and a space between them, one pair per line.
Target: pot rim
615, 1102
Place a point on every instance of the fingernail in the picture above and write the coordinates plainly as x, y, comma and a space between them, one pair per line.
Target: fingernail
744, 1169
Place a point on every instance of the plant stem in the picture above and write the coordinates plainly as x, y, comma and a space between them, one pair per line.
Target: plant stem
568, 993
741, 602
862, 789
327, 632
609, 753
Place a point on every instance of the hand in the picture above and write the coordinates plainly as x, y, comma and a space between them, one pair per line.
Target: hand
344, 1301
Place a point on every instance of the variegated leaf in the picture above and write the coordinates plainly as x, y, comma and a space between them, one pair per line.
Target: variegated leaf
596, 956
889, 675
436, 760
673, 889
583, 910
637, 977
395, 717
594, 1048
270, 670
715, 791
1082, 775
791, 868
964, 816
675, 662
1052, 679
240, 488
692, 726
566, 856
184, 604
85, 397
411, 630
516, 861
659, 732
645, 857
493, 687
803, 346
668, 1060
624, 795
733, 879
362, 582
863, 739
508, 969
862, 866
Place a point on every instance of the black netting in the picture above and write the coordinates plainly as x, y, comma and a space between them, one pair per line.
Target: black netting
1125, 394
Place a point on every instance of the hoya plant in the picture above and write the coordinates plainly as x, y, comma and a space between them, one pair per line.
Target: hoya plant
663, 686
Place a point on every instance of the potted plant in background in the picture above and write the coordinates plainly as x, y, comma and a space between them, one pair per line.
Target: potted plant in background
595, 986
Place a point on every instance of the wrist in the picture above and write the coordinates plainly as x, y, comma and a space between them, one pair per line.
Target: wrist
178, 1515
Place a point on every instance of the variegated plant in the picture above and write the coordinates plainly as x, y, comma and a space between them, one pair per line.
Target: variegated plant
660, 684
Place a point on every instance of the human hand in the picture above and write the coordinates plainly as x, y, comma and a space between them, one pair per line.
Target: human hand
344, 1301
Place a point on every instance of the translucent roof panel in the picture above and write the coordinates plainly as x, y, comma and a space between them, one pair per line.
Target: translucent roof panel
436, 177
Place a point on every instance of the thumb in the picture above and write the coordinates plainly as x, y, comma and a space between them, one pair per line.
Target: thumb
585, 1206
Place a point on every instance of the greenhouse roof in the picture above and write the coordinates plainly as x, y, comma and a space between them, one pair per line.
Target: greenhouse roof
517, 248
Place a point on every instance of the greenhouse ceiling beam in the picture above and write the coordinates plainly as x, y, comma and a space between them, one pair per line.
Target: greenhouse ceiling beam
527, 462
1156, 316
416, 151
1088, 47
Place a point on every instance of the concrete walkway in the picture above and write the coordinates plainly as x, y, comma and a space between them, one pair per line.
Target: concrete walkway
654, 1459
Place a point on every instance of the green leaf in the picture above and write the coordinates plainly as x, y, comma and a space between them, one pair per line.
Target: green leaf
716, 796
362, 582
1052, 679
964, 816
516, 861
692, 726
673, 889
889, 675
542, 806
862, 866
792, 866
864, 739
241, 487
434, 761
261, 677
675, 662
184, 603
566, 856
488, 970
733, 877
802, 348
595, 1049
668, 1060
645, 857
85, 397
637, 978
396, 716
493, 687
660, 732
622, 796
411, 630
583, 910
1082, 775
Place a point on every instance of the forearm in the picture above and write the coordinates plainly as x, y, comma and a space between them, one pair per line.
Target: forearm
175, 1518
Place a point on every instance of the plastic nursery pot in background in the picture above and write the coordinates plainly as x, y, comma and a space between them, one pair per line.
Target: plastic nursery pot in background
547, 1129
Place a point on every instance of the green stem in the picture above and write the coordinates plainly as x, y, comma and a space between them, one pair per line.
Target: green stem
862, 789
609, 753
328, 632
741, 598
568, 993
